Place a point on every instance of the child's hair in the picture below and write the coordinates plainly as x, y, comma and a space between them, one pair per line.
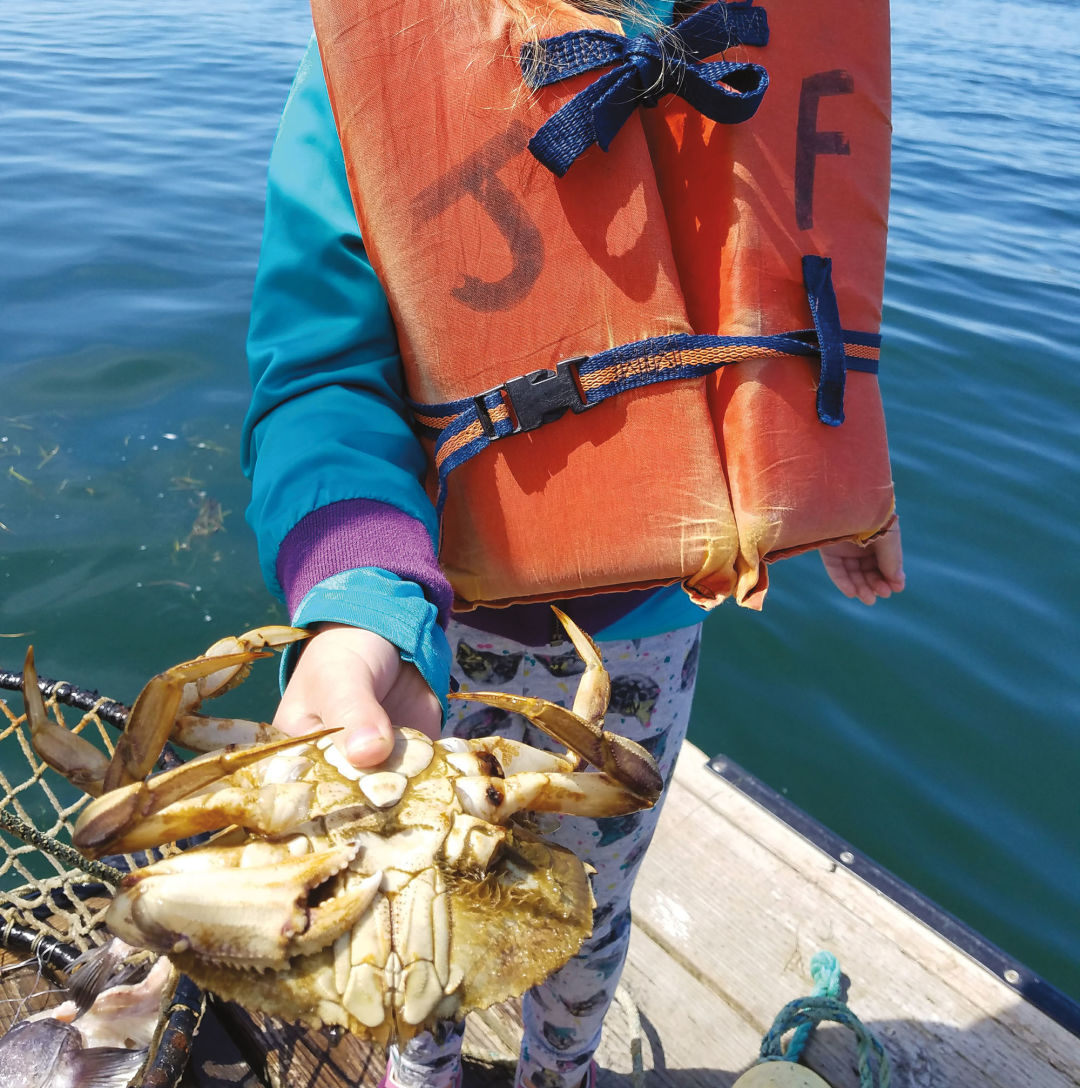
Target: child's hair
531, 18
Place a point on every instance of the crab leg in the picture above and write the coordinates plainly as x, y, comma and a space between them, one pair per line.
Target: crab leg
581, 729
616, 756
594, 689
266, 810
76, 759
500, 757
500, 776
134, 813
575, 794
271, 637
203, 733
178, 691
151, 720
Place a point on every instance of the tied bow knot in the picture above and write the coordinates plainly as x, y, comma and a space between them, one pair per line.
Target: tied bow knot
645, 69
648, 70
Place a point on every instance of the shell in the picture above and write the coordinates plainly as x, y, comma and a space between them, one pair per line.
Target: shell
457, 913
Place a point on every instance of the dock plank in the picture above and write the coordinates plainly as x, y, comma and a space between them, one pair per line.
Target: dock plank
771, 901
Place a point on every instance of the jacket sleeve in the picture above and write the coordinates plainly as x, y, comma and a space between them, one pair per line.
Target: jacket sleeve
327, 440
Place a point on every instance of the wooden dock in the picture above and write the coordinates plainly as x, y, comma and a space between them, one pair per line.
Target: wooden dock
730, 906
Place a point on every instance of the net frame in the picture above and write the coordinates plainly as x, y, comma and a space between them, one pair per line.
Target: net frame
52, 900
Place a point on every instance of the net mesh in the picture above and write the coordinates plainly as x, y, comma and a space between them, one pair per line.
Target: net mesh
52, 900
32, 880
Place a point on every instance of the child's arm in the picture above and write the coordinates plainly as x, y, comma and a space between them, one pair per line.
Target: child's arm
870, 571
344, 527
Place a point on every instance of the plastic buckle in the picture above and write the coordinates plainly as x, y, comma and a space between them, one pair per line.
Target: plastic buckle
536, 398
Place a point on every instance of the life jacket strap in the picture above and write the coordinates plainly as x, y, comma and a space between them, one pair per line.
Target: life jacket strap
821, 295
463, 428
645, 69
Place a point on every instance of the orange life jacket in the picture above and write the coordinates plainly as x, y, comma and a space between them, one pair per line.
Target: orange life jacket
703, 295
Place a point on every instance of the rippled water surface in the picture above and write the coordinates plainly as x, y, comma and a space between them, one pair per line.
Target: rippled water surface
940, 731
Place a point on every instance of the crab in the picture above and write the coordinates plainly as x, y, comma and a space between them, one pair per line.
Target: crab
379, 900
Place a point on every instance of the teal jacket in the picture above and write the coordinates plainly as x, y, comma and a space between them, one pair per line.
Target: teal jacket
327, 420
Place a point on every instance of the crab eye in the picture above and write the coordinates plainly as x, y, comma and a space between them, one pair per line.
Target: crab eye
489, 766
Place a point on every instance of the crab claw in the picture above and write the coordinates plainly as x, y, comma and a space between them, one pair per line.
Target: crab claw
165, 906
581, 729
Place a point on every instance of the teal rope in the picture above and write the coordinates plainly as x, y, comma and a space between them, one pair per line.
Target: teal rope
825, 971
804, 1014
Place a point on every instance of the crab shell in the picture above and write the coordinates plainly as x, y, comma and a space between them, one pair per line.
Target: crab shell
379, 900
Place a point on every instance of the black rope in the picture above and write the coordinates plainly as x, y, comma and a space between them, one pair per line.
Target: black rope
50, 951
107, 709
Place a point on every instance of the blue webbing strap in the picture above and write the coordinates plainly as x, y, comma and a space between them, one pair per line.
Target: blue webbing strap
817, 278
645, 70
463, 428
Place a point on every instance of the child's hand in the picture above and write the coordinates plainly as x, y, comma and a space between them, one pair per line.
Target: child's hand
355, 679
876, 570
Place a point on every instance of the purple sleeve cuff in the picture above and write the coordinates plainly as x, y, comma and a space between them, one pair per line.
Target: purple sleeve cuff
360, 533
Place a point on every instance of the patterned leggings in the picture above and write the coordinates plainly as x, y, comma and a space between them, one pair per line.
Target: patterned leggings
652, 687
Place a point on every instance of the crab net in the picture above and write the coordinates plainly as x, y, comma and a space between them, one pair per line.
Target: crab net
52, 900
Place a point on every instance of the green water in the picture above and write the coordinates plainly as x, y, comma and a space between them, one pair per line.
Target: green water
939, 732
